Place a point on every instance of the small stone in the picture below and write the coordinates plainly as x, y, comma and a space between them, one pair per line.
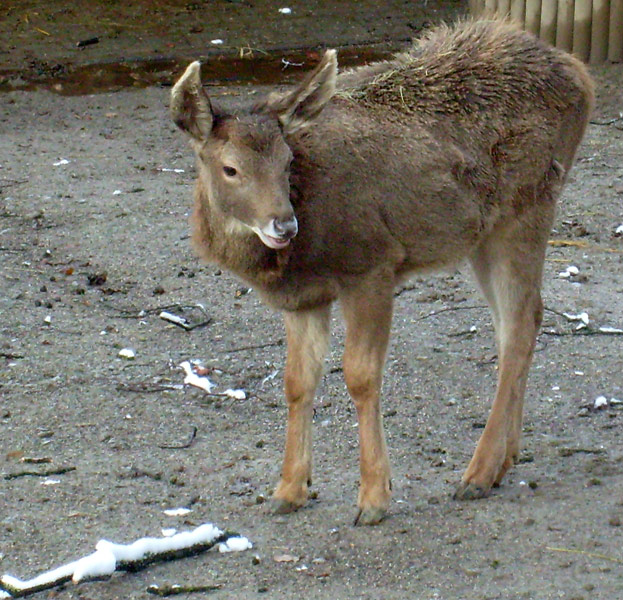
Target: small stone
256, 560
158, 291
614, 522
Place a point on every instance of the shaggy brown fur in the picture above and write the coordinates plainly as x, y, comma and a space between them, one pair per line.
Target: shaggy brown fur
453, 151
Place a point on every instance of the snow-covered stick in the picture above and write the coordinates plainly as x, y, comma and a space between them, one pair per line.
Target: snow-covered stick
109, 557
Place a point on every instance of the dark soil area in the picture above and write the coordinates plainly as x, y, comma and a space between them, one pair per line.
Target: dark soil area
92, 249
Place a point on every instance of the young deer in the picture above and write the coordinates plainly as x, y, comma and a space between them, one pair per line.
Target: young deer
339, 189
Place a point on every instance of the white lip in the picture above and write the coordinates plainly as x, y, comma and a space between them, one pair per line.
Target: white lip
270, 241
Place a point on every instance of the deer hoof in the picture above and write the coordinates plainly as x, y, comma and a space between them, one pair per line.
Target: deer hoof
470, 491
369, 516
281, 506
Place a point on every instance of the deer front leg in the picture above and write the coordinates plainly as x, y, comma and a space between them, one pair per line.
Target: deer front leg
368, 314
307, 335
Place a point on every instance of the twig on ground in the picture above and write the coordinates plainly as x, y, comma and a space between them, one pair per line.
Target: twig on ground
586, 553
183, 322
48, 473
173, 590
110, 557
450, 309
187, 444
253, 347
145, 387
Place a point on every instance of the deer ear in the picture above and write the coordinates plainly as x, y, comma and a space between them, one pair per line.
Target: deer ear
190, 106
296, 110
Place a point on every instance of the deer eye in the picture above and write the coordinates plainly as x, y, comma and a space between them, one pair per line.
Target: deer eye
230, 171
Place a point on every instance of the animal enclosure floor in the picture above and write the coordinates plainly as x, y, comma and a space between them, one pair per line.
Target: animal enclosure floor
94, 197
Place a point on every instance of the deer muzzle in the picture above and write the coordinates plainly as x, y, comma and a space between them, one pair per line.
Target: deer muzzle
278, 233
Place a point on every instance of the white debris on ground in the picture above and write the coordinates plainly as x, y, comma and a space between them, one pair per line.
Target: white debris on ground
285, 10
177, 512
583, 317
602, 402
167, 316
216, 42
200, 381
270, 377
117, 193
570, 271
127, 353
619, 230
108, 556
165, 170
62, 161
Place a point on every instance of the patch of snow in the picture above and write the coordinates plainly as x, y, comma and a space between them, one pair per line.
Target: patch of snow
165, 170
583, 317
619, 230
610, 330
51, 482
107, 555
216, 42
44, 579
235, 544
285, 10
168, 531
236, 394
101, 562
127, 353
570, 271
117, 193
62, 161
600, 402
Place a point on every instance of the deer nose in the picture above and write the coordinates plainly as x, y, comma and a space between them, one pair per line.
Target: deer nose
286, 228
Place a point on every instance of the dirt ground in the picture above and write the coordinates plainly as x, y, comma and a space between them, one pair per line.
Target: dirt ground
91, 250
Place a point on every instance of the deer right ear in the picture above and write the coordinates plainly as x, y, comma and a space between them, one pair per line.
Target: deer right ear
298, 109
190, 106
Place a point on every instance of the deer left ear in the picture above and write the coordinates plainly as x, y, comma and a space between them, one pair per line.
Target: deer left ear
298, 109
190, 106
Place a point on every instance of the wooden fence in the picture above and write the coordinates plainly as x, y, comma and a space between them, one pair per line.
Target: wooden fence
591, 29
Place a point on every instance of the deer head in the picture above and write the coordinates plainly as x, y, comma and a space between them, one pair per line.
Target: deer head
244, 159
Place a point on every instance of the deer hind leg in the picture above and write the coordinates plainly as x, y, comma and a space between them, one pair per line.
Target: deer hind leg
307, 334
509, 266
368, 314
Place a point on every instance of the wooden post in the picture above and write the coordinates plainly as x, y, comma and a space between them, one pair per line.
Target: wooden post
582, 29
599, 31
615, 41
564, 25
549, 9
533, 16
518, 12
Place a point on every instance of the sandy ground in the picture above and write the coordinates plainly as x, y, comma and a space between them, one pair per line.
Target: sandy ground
85, 272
